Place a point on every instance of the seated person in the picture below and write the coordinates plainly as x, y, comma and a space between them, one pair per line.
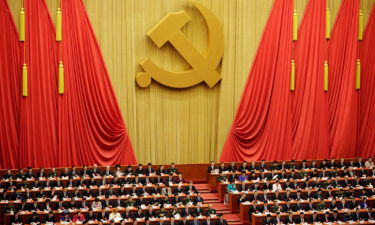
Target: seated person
95, 172
179, 179
289, 219
73, 172
369, 215
173, 169
114, 215
243, 198
91, 217
269, 220
52, 173
212, 167
222, 168
85, 172
8, 175
128, 215
369, 163
140, 170
65, 173
65, 217
79, 217
243, 176
315, 218
149, 171
348, 216
232, 167
107, 172
190, 189
161, 170
16, 219
244, 187
231, 187
327, 218
139, 214
30, 173
129, 171
96, 205
34, 219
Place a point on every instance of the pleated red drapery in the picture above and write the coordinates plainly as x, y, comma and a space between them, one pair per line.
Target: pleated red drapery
261, 128
309, 102
342, 95
38, 118
91, 129
44, 129
366, 140
10, 88
322, 124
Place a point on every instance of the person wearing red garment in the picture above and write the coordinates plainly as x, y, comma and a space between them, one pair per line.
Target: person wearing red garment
79, 217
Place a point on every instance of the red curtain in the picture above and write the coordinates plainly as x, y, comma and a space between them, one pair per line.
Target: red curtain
342, 95
38, 119
91, 129
10, 89
309, 102
321, 124
261, 127
83, 126
366, 140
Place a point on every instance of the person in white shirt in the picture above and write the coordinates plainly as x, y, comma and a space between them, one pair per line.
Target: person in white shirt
96, 205
115, 216
369, 163
277, 186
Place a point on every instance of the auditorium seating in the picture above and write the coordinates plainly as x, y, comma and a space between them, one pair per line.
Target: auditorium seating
340, 190
135, 193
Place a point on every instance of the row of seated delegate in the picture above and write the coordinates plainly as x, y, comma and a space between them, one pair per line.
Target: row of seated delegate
294, 174
95, 191
146, 215
301, 184
290, 165
328, 217
99, 202
296, 195
94, 173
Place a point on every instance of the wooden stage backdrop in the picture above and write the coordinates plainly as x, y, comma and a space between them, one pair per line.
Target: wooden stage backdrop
169, 125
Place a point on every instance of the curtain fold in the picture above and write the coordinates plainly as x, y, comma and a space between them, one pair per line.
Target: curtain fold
91, 128
308, 101
261, 128
10, 88
366, 140
342, 95
38, 118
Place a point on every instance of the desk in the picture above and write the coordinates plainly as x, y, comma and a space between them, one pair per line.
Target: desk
212, 182
222, 187
258, 219
244, 213
233, 198
25, 214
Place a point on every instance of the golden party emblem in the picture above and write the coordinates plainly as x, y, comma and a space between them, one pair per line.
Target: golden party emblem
203, 67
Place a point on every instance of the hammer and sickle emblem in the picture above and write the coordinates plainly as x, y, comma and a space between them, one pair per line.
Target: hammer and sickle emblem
203, 66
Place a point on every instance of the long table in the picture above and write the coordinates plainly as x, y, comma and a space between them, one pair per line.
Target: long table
257, 218
233, 198
222, 187
25, 214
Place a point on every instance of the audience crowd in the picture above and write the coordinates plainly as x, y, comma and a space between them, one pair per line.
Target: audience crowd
102, 195
302, 192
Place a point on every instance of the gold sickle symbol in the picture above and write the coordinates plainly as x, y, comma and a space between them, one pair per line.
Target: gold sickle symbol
203, 67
